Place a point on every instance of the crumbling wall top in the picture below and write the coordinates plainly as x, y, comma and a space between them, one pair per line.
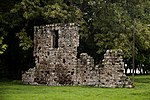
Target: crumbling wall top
57, 26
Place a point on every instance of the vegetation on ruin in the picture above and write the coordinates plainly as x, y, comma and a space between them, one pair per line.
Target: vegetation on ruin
104, 24
17, 91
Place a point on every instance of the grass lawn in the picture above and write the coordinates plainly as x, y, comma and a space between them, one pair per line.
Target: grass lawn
17, 91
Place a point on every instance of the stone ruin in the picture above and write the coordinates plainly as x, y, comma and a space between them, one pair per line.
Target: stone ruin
111, 74
55, 52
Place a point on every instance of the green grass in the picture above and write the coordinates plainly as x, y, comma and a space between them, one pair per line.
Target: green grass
17, 91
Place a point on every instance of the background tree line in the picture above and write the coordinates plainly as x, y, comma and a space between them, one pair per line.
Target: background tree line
104, 24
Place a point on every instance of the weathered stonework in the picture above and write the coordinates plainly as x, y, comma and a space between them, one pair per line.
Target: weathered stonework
55, 52
111, 74
87, 73
29, 76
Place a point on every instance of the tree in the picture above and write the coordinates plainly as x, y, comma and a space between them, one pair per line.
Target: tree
109, 25
18, 21
104, 24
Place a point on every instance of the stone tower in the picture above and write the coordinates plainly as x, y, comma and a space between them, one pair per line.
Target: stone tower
55, 51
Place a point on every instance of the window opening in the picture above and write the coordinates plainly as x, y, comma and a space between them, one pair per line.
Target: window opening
55, 39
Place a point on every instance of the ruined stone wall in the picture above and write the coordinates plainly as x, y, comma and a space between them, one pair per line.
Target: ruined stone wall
111, 74
87, 73
55, 52
28, 76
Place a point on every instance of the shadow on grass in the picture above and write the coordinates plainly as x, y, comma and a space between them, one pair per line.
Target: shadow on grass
10, 82
142, 80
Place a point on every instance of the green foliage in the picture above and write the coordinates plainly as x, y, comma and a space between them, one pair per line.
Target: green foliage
111, 24
142, 36
61, 13
28, 9
25, 41
2, 46
104, 24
